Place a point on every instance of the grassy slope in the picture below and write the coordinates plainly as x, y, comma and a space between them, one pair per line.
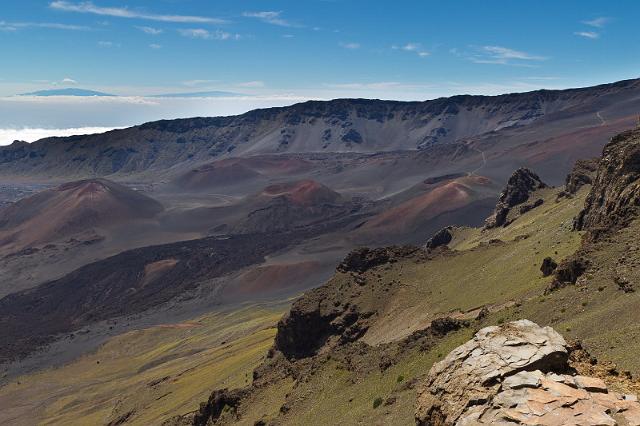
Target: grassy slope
596, 311
479, 273
335, 395
498, 274
186, 360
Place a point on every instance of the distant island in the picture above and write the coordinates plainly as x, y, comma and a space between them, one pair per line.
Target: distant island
65, 92
89, 93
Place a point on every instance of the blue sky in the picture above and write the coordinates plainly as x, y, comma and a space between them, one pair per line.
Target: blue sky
285, 51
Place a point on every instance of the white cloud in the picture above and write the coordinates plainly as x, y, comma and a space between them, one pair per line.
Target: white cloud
595, 23
107, 44
587, 34
194, 83
381, 85
598, 22
150, 30
123, 12
410, 47
203, 34
15, 26
351, 46
155, 46
63, 112
499, 55
68, 80
414, 48
251, 84
270, 17
500, 52
542, 78
7, 136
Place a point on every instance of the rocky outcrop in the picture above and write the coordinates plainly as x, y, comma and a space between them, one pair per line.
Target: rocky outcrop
571, 269
472, 373
530, 206
364, 258
314, 322
568, 272
519, 188
219, 401
583, 173
614, 200
548, 266
518, 373
440, 238
333, 315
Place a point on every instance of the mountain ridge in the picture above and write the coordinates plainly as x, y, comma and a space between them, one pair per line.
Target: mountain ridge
341, 125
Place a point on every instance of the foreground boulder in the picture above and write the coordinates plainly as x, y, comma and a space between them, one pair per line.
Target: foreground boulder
518, 373
522, 183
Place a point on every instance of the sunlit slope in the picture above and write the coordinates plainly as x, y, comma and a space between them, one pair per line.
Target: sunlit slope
498, 269
149, 375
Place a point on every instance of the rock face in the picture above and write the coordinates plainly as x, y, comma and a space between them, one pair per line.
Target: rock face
530, 206
517, 373
568, 272
614, 199
440, 238
364, 258
518, 190
313, 323
583, 173
219, 400
571, 269
548, 266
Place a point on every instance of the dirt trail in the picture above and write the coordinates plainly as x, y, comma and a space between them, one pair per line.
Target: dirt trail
484, 162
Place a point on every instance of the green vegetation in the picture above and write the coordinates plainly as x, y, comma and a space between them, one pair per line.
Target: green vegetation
377, 402
481, 271
335, 395
153, 373
596, 311
503, 275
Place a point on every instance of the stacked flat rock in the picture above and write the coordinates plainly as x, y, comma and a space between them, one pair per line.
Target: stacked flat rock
513, 374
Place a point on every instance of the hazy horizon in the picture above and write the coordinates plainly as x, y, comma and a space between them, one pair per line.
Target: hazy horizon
30, 118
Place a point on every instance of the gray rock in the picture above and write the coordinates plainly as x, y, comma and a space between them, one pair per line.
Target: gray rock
523, 379
514, 374
522, 183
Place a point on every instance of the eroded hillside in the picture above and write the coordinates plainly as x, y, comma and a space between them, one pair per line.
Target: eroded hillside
352, 350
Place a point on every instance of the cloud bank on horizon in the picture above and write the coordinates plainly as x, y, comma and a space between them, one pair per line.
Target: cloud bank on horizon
8, 136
